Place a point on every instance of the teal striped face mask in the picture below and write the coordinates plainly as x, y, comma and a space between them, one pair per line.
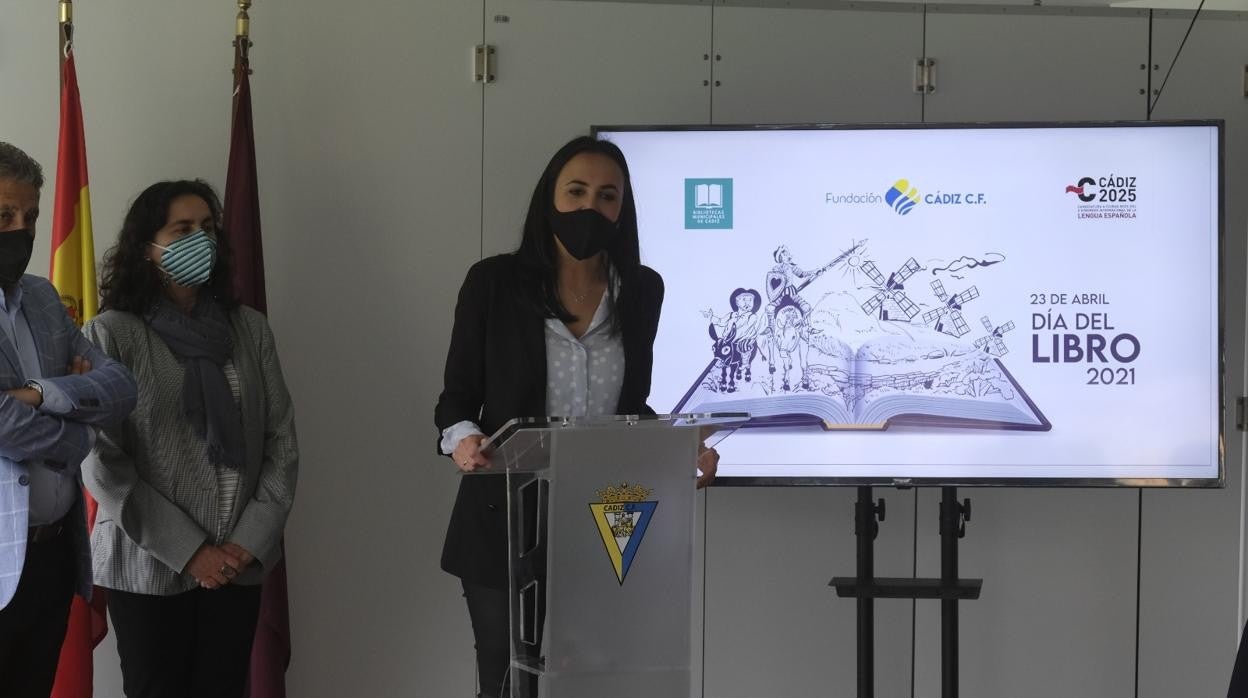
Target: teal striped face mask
189, 260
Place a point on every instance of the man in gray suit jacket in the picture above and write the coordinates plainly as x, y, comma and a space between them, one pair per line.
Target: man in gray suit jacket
55, 389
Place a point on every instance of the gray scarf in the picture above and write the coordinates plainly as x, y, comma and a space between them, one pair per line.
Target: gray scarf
203, 343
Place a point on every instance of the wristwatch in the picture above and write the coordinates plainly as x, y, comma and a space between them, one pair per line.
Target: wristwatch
36, 387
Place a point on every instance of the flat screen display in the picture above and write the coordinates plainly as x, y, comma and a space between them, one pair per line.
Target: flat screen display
1016, 304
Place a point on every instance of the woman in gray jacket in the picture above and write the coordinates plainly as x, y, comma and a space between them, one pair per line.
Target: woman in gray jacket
195, 486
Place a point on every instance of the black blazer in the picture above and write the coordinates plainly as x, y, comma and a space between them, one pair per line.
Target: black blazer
496, 371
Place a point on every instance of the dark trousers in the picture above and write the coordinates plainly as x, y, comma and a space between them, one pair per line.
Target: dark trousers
32, 625
1239, 677
489, 611
195, 644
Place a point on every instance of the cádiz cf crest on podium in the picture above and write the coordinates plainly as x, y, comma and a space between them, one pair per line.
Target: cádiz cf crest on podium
623, 516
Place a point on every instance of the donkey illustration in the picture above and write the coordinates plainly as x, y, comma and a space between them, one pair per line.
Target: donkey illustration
733, 355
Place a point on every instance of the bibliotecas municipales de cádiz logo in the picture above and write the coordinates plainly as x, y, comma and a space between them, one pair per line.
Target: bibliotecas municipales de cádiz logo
708, 204
623, 516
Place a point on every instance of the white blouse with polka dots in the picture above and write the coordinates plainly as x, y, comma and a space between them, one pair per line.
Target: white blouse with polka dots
583, 376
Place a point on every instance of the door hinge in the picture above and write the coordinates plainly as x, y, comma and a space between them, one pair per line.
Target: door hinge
924, 76
1239, 413
484, 63
1246, 82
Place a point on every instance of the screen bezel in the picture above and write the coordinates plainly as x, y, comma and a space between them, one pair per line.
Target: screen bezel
883, 481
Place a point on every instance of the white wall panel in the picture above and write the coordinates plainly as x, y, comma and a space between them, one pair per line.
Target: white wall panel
1057, 612
1191, 561
566, 66
1019, 65
369, 140
816, 66
773, 625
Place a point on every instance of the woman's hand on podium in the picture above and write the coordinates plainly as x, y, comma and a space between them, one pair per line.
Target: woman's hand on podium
468, 456
708, 463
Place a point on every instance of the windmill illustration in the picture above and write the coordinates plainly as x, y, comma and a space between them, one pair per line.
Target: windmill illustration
890, 292
992, 342
951, 310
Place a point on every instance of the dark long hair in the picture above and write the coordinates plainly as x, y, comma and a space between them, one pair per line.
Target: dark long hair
130, 281
539, 256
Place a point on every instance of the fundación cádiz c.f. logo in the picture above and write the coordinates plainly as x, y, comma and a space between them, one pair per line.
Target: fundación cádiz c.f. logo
902, 197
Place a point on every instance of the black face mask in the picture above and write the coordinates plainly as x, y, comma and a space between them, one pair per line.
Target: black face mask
15, 249
584, 233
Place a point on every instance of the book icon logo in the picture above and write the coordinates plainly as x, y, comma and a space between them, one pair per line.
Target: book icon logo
708, 204
902, 197
708, 196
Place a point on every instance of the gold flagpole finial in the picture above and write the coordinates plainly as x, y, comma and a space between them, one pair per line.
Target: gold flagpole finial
67, 29
243, 22
242, 40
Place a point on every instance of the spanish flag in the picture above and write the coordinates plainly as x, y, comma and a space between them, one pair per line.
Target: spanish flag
73, 251
73, 274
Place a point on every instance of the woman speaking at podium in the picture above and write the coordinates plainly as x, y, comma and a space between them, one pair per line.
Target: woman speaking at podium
563, 326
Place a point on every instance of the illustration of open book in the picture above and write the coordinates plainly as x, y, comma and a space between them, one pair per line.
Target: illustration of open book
921, 378
708, 196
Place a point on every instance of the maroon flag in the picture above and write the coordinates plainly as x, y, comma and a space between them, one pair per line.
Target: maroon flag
242, 200
270, 652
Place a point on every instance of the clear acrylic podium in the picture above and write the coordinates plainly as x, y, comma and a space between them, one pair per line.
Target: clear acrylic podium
600, 523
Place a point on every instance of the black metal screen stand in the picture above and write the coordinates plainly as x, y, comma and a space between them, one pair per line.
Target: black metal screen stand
866, 587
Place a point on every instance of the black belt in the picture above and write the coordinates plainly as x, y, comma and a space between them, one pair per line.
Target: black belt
46, 532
